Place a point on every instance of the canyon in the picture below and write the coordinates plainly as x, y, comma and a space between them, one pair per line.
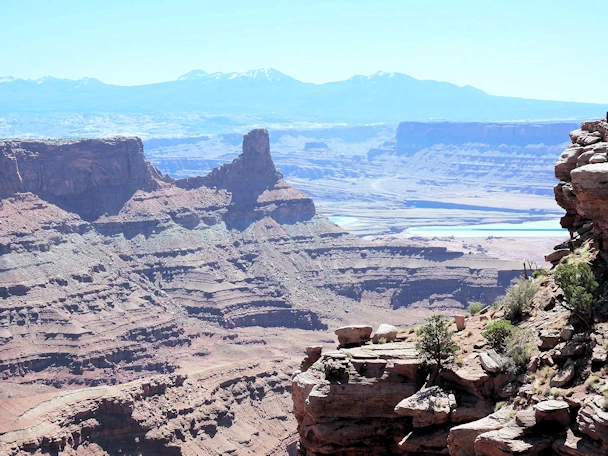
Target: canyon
147, 313
375, 396
387, 179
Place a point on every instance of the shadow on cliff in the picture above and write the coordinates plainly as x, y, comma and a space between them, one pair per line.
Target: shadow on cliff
89, 177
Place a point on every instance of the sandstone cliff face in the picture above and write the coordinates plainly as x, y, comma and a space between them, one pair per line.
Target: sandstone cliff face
89, 177
583, 189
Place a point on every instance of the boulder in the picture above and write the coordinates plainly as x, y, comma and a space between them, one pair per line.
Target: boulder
549, 339
526, 418
567, 162
566, 333
564, 375
462, 438
572, 349
492, 361
598, 158
386, 332
553, 410
556, 255
427, 407
599, 354
511, 440
460, 322
353, 335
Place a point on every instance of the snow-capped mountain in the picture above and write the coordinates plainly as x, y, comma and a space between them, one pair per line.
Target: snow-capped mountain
270, 95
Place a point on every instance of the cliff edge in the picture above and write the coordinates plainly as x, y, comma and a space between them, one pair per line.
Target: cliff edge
89, 177
543, 390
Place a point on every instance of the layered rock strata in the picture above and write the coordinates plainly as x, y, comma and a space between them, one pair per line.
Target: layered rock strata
360, 400
371, 400
583, 190
212, 412
89, 177
106, 300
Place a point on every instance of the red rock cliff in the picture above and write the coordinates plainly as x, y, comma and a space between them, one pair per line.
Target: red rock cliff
89, 177
583, 188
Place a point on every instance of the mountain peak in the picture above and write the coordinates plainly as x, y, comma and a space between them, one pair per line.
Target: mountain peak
266, 73
193, 75
261, 74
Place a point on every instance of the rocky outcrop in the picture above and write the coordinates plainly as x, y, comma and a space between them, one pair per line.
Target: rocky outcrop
582, 190
89, 177
371, 400
215, 412
375, 399
257, 189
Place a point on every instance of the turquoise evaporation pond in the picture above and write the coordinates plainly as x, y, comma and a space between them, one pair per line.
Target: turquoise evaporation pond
342, 221
542, 228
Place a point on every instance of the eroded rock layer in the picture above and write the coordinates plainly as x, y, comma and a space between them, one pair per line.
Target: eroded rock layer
94, 291
583, 188
211, 412
379, 398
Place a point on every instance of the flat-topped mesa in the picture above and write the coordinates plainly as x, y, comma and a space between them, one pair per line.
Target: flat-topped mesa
583, 188
89, 177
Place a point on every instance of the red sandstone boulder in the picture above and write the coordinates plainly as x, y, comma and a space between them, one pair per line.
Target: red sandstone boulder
353, 334
552, 410
385, 333
428, 407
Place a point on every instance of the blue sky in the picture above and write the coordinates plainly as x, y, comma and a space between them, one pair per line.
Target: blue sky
535, 48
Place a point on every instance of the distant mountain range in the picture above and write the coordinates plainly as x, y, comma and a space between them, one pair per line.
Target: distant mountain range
269, 96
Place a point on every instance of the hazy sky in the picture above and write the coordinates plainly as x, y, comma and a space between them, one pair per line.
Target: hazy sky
529, 48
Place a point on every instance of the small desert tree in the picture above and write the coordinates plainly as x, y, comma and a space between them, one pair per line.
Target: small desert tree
435, 342
518, 299
497, 334
520, 347
579, 285
474, 308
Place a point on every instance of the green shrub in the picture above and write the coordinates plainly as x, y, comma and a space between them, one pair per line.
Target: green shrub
579, 285
497, 333
593, 383
539, 274
435, 342
520, 347
518, 299
474, 308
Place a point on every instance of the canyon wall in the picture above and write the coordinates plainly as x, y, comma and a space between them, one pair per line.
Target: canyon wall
110, 273
413, 136
89, 177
